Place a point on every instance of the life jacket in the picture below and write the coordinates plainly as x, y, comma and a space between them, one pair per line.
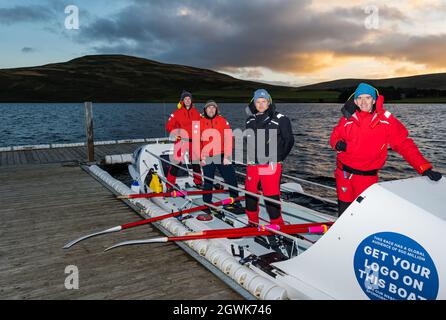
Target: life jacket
154, 182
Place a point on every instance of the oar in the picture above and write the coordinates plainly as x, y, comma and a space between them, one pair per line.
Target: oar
172, 194
150, 220
318, 228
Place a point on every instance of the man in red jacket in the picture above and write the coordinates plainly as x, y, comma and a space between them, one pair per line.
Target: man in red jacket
181, 125
216, 151
361, 139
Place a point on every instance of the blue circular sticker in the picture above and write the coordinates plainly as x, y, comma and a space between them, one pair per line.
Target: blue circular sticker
391, 266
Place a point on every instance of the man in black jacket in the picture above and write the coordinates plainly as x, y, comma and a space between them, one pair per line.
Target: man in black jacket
267, 130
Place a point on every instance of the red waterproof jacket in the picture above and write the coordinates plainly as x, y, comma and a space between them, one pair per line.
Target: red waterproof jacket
182, 119
210, 146
368, 135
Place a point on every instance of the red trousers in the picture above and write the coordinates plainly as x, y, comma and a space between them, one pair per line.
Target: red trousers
268, 175
350, 186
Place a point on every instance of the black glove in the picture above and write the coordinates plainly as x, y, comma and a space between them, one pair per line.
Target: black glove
433, 175
341, 146
349, 108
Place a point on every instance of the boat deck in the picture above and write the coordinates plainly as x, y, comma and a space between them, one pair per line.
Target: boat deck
46, 204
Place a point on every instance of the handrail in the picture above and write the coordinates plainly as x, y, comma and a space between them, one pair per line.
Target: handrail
304, 193
296, 179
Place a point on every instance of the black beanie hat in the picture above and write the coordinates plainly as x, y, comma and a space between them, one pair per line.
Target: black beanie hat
185, 94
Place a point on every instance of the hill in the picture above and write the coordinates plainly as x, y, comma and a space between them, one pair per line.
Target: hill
120, 78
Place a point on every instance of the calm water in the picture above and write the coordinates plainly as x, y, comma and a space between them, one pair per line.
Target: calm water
23, 124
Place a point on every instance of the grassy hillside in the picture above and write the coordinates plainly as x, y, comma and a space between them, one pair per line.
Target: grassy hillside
120, 78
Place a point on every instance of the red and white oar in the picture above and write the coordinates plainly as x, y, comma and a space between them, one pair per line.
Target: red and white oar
150, 220
315, 228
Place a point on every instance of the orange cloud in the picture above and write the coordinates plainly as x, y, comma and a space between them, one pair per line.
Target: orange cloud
309, 62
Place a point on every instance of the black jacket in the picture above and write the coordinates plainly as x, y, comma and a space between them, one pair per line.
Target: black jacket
269, 121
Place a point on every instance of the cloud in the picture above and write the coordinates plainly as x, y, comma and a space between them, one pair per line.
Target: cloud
280, 35
245, 73
425, 50
20, 14
284, 36
27, 50
428, 50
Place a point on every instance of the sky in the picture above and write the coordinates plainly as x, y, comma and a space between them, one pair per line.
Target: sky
289, 42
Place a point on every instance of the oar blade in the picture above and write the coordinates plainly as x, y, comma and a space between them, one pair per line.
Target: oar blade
135, 242
91, 235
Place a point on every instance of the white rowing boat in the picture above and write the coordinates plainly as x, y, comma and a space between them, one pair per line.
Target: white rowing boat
386, 245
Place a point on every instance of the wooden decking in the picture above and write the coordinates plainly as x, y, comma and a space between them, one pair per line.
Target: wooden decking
43, 206
58, 155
